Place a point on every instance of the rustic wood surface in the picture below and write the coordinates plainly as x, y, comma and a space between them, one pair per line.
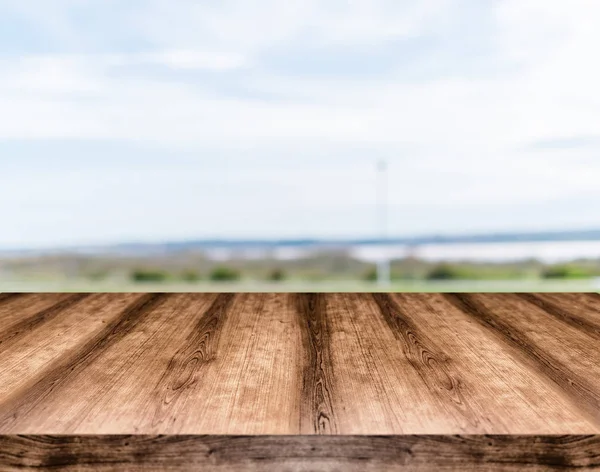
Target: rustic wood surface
271, 364
300, 453
294, 382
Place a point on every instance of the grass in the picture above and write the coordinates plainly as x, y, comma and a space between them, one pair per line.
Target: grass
125, 285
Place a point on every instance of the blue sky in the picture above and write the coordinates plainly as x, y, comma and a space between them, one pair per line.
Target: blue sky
151, 120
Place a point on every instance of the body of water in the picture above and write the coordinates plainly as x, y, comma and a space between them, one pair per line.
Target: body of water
548, 252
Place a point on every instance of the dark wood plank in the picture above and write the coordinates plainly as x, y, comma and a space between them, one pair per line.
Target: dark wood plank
316, 406
299, 453
5, 297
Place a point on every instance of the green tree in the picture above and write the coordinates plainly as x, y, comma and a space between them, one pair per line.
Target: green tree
371, 274
276, 275
147, 275
444, 272
224, 274
565, 272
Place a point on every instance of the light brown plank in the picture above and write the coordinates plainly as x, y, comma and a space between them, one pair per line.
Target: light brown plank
30, 403
375, 386
580, 310
505, 395
251, 384
27, 309
561, 354
300, 364
122, 378
30, 353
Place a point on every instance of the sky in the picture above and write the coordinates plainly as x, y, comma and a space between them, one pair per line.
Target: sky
158, 120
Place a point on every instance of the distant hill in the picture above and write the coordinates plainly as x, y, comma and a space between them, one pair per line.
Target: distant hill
588, 235
199, 244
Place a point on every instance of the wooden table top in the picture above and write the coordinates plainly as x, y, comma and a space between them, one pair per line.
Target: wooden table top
245, 364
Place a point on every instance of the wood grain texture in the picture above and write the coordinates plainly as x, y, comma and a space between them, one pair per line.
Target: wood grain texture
20, 403
300, 453
299, 364
316, 405
434, 367
18, 312
562, 354
569, 308
13, 334
188, 364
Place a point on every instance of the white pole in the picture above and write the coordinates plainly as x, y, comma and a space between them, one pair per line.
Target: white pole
383, 265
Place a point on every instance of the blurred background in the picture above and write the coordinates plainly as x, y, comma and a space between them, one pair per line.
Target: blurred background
443, 145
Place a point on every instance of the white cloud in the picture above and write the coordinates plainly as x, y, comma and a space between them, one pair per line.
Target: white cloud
536, 101
254, 26
187, 59
455, 139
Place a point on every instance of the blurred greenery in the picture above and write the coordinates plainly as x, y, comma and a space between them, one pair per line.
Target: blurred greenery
295, 285
566, 272
190, 276
322, 270
371, 274
224, 273
445, 272
144, 275
276, 275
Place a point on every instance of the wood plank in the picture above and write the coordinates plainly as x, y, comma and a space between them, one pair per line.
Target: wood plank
252, 383
37, 342
366, 370
25, 401
378, 382
582, 311
122, 375
307, 364
493, 388
316, 405
300, 453
541, 341
136, 367
20, 308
